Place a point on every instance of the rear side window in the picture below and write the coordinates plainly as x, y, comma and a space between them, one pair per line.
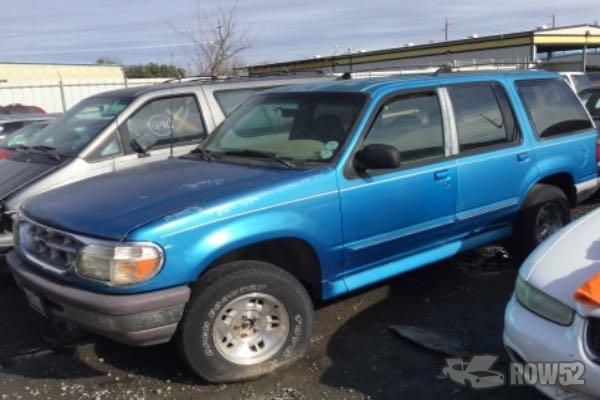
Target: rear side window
413, 125
229, 100
553, 107
483, 116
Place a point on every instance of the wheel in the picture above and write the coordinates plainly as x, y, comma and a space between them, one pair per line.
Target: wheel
244, 320
544, 212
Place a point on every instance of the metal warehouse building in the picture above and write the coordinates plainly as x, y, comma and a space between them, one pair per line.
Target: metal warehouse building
522, 48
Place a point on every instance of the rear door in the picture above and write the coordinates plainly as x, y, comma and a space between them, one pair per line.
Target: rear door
494, 159
175, 120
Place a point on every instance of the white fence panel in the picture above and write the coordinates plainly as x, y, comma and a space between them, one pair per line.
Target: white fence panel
59, 98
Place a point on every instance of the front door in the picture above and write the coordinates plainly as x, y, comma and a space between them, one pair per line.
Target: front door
174, 121
389, 214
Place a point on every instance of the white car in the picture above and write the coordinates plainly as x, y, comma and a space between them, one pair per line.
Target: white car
543, 322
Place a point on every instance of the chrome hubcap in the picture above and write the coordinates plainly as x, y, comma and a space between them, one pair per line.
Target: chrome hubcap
548, 221
250, 329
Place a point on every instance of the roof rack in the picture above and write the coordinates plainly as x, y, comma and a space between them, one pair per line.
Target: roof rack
436, 70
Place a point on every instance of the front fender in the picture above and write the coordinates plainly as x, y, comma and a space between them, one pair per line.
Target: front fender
315, 220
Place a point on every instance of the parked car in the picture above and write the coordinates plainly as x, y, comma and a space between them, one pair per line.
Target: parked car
20, 109
591, 98
11, 123
101, 135
544, 302
19, 138
305, 193
577, 80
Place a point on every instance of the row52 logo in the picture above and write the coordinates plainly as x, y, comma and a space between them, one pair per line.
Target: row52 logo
477, 373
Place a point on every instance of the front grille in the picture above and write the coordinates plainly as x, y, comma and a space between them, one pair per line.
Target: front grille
48, 247
593, 337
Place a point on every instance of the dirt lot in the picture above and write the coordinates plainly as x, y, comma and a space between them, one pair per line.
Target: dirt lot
354, 354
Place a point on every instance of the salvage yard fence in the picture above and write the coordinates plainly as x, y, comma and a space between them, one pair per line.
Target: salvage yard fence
59, 97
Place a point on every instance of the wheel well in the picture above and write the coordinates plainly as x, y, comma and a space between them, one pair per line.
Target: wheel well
564, 182
291, 254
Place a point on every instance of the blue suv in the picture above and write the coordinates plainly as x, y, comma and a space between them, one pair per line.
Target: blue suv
304, 193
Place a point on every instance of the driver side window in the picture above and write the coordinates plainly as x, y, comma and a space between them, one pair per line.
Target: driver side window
413, 125
176, 119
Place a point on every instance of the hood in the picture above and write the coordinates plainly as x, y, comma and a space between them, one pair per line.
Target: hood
111, 205
567, 260
17, 173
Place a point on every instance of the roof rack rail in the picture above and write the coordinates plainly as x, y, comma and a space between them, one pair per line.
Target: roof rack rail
435, 70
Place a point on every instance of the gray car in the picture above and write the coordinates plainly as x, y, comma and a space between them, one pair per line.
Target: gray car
121, 129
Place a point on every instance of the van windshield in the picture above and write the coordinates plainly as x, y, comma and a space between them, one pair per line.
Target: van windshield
300, 127
67, 135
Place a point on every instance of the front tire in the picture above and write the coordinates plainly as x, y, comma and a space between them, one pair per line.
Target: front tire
544, 212
244, 320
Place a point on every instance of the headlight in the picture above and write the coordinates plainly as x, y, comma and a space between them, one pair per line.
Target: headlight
119, 264
543, 305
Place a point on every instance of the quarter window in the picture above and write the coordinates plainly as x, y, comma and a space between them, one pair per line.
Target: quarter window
177, 119
592, 103
553, 107
413, 125
480, 121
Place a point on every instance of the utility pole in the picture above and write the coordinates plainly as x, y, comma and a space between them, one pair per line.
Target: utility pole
446, 26
553, 20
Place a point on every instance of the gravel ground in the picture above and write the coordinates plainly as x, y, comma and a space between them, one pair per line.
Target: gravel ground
353, 354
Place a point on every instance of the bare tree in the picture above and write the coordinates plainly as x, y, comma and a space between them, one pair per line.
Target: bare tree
216, 42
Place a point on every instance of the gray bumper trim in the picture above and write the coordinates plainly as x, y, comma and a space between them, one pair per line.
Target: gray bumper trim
138, 319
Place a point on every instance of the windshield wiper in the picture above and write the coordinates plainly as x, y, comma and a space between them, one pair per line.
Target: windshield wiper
260, 154
205, 154
47, 150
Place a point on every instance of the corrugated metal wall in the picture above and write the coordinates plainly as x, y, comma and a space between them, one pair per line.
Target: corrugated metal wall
508, 55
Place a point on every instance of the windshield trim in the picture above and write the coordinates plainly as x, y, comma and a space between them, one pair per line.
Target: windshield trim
363, 96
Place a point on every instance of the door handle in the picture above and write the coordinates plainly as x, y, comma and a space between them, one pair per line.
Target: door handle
441, 175
523, 157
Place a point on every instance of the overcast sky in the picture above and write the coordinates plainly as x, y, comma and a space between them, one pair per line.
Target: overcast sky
137, 31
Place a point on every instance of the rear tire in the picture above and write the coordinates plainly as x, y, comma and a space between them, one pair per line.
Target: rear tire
245, 319
544, 212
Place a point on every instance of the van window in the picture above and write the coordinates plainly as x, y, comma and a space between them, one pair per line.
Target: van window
229, 100
480, 121
174, 118
553, 107
413, 125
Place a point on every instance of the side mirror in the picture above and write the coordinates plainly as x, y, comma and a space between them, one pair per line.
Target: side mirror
143, 143
377, 156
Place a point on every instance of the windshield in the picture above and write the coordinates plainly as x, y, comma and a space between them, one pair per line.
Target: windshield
68, 134
302, 127
21, 136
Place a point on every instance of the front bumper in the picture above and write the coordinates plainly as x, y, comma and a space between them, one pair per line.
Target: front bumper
136, 319
534, 339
